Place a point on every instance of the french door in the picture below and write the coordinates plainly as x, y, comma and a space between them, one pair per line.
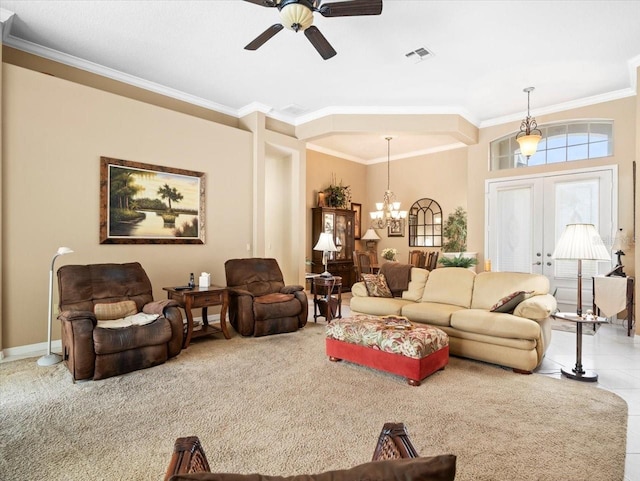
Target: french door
527, 215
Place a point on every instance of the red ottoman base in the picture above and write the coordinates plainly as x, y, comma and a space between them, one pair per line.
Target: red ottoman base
415, 370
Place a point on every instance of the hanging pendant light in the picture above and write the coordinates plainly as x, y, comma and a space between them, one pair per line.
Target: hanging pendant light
389, 209
529, 134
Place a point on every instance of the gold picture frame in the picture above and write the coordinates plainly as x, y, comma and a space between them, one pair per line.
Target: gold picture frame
150, 204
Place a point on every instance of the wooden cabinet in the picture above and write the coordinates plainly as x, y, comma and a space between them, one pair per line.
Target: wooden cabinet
340, 223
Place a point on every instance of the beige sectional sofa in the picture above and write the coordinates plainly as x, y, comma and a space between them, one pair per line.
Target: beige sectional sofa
458, 301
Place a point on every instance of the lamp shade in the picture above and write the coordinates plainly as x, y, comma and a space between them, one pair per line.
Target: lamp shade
370, 235
529, 144
581, 241
325, 243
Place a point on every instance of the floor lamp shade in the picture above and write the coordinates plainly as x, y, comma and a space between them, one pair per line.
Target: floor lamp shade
325, 244
581, 242
52, 358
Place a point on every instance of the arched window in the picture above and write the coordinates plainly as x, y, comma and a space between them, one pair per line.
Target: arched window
425, 224
561, 142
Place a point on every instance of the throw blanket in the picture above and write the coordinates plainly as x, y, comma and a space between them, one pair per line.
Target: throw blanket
398, 276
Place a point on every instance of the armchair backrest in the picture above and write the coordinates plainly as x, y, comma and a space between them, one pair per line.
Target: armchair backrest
81, 287
256, 275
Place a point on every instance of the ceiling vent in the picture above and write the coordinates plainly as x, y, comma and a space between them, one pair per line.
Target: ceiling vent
293, 109
419, 54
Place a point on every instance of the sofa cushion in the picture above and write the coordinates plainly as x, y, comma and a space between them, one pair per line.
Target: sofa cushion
376, 285
434, 468
509, 302
378, 306
416, 285
114, 310
138, 319
430, 312
537, 307
109, 341
488, 287
495, 324
450, 285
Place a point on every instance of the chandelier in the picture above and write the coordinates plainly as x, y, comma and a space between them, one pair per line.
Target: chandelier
389, 209
529, 134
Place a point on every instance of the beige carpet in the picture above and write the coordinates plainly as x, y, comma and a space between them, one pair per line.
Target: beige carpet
277, 405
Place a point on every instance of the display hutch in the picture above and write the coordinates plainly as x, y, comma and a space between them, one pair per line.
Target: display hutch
340, 223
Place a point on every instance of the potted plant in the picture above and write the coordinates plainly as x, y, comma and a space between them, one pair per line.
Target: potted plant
337, 195
454, 232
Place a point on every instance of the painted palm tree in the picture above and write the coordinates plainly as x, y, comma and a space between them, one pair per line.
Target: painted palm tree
170, 193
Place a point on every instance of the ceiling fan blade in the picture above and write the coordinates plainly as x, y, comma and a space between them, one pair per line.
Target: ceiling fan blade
263, 3
256, 43
319, 42
354, 7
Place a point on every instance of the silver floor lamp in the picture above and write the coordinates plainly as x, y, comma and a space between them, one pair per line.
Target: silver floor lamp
52, 358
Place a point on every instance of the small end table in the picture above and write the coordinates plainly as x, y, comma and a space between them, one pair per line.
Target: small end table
325, 303
201, 297
577, 373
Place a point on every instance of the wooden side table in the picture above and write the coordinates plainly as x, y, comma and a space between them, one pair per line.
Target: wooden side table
577, 373
201, 297
327, 297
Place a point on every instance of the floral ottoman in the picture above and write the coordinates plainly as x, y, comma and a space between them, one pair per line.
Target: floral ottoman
390, 343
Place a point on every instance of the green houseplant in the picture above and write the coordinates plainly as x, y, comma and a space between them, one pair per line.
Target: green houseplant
458, 261
455, 231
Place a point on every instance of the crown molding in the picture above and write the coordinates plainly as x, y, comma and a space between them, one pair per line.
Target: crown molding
573, 104
335, 153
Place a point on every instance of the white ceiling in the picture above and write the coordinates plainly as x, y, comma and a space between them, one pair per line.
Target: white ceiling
485, 53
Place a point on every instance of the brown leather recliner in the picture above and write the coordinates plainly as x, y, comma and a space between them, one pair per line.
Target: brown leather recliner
259, 302
102, 290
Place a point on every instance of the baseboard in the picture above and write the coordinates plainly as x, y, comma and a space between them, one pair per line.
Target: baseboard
29, 350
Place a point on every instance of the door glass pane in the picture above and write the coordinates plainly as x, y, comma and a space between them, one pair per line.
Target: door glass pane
514, 230
576, 203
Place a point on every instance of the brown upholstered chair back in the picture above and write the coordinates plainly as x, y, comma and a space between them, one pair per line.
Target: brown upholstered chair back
81, 287
256, 275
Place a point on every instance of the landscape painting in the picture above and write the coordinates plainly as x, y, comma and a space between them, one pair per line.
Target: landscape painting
149, 204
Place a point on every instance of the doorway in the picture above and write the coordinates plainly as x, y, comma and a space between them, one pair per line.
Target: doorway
527, 215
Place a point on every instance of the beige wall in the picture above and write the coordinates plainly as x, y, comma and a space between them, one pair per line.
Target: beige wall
54, 133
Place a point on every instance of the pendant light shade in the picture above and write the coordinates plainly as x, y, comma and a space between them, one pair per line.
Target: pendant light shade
529, 134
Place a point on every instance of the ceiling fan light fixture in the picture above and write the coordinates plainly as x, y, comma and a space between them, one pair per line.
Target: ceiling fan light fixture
296, 16
529, 134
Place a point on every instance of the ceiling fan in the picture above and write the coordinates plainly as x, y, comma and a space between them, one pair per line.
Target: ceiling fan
297, 15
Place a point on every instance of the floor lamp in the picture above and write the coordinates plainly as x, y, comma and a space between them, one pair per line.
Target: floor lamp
326, 245
581, 242
52, 358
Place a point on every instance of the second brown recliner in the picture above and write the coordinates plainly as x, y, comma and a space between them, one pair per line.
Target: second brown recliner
259, 302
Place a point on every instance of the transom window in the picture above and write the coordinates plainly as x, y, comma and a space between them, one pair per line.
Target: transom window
566, 142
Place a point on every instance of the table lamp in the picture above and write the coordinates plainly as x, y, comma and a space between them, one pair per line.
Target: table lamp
581, 242
326, 245
371, 237
52, 358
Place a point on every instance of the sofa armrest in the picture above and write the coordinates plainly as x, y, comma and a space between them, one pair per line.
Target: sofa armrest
537, 307
72, 316
158, 307
359, 289
291, 289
